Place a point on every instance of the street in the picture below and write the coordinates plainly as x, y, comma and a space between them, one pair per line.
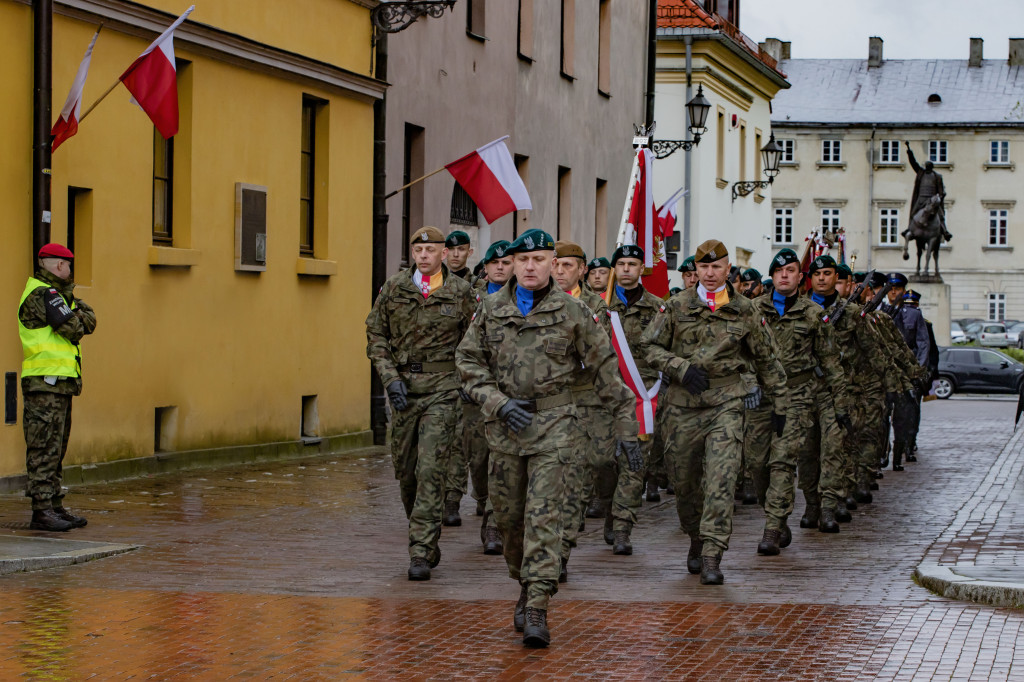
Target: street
297, 570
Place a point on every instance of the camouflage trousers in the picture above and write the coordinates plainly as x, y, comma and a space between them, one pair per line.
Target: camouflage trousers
903, 420
474, 444
528, 493
47, 423
812, 432
421, 438
871, 440
456, 478
853, 477
598, 438
703, 456
623, 487
757, 442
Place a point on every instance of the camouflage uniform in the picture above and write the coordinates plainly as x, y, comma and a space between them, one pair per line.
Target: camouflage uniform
704, 433
413, 338
757, 443
47, 407
906, 369
537, 357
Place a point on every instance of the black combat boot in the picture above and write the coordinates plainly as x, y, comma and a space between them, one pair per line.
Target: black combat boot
609, 534
652, 491
785, 536
519, 615
842, 514
873, 485
491, 539
563, 574
75, 521
47, 519
536, 634
481, 507
908, 449
897, 456
810, 517
419, 568
851, 503
862, 494
710, 571
693, 556
622, 544
749, 495
596, 509
451, 513
769, 545
827, 523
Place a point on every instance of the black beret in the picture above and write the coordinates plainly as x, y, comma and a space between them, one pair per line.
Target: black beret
821, 263
627, 251
844, 271
877, 280
750, 275
784, 257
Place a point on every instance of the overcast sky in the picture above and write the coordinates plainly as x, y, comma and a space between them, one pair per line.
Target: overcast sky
911, 29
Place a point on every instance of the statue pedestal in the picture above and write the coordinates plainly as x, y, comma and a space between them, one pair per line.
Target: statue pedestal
934, 304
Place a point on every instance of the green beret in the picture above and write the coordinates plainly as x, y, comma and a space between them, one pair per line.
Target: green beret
782, 258
456, 238
859, 277
689, 265
750, 275
601, 262
532, 240
821, 263
844, 272
498, 249
627, 251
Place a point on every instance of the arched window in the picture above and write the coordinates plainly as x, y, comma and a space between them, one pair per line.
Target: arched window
934, 98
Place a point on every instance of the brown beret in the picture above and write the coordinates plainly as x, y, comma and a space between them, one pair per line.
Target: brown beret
710, 251
427, 235
569, 250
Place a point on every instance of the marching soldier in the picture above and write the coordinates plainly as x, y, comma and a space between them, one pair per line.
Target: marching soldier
689, 270
519, 361
459, 250
914, 331
51, 324
418, 319
705, 341
598, 271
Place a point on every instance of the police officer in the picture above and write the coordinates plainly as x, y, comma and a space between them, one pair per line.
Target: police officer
519, 361
418, 319
705, 341
51, 324
689, 270
598, 271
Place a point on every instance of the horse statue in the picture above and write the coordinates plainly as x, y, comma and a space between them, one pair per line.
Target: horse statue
926, 229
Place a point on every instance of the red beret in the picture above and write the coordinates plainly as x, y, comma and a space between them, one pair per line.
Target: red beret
56, 251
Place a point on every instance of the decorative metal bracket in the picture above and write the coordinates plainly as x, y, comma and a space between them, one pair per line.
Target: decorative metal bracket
666, 148
745, 187
395, 16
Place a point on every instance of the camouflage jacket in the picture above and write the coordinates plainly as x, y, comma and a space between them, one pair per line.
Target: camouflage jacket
635, 319
862, 353
904, 363
727, 343
804, 344
584, 388
467, 275
508, 355
403, 328
33, 315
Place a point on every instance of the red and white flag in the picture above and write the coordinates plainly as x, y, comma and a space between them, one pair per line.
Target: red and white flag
641, 211
667, 213
67, 125
153, 80
646, 398
491, 180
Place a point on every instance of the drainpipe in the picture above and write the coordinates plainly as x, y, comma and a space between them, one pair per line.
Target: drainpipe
652, 57
42, 24
871, 194
378, 415
687, 161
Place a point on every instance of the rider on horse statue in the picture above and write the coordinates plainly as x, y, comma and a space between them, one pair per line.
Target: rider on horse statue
927, 214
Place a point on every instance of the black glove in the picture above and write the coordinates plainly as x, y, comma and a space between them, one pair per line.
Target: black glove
514, 414
911, 396
890, 399
844, 421
631, 449
753, 399
57, 309
778, 423
397, 394
695, 380
465, 396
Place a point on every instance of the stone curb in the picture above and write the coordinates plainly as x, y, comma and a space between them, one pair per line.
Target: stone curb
58, 559
942, 580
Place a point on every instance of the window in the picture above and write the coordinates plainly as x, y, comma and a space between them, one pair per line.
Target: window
889, 226
79, 239
997, 219
999, 152
783, 226
604, 47
412, 197
307, 185
757, 154
996, 306
720, 148
564, 226
788, 151
475, 18
743, 151
600, 216
568, 38
830, 219
831, 151
463, 209
163, 188
890, 152
524, 42
937, 151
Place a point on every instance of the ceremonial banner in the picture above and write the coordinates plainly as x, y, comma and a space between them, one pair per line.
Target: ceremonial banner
491, 180
646, 399
67, 124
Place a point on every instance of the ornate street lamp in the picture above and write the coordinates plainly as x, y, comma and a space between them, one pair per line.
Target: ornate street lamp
771, 155
698, 109
395, 16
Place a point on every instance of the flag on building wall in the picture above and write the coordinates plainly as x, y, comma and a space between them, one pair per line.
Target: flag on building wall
491, 180
67, 124
153, 80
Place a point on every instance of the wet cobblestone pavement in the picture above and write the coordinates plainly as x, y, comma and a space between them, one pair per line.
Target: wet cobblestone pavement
296, 570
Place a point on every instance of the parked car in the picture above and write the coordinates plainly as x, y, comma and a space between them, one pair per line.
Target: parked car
1015, 332
977, 370
956, 332
972, 329
993, 334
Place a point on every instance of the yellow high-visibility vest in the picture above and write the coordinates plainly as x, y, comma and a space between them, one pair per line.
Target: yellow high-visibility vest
47, 353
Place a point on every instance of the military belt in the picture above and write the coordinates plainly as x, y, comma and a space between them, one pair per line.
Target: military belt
425, 367
583, 388
722, 382
549, 402
800, 378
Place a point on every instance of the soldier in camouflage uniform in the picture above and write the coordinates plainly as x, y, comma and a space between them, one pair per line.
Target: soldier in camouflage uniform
519, 361
51, 323
756, 428
418, 319
689, 270
705, 341
598, 271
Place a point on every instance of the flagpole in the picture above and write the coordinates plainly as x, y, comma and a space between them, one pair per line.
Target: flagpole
408, 185
101, 98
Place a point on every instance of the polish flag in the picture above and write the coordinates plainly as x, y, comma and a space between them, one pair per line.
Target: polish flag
67, 125
667, 214
153, 80
491, 180
641, 212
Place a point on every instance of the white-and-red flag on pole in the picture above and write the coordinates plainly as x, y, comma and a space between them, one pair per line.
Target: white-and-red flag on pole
67, 124
491, 180
641, 212
646, 398
667, 213
153, 80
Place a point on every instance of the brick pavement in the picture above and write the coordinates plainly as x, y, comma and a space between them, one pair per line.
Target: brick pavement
298, 569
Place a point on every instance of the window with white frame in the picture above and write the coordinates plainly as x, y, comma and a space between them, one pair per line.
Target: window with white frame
829, 219
997, 306
889, 226
997, 220
999, 152
937, 151
783, 226
788, 151
890, 152
831, 151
